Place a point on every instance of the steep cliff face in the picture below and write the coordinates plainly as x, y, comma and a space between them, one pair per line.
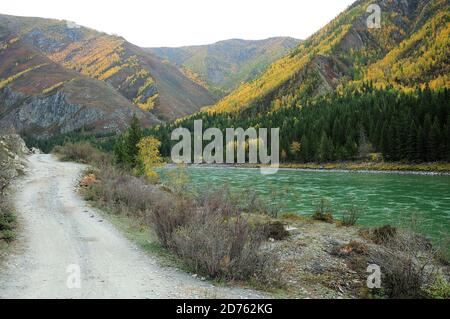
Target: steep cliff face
42, 98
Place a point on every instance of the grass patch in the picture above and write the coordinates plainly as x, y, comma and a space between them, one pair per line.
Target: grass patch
8, 222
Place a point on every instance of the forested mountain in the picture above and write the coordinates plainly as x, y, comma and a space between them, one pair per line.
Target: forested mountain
226, 64
410, 49
139, 76
355, 125
353, 93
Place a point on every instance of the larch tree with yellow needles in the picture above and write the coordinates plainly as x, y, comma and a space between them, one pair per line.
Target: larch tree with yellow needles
149, 156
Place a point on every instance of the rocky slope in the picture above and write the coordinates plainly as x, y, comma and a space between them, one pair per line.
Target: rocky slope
140, 77
41, 98
226, 64
409, 49
12, 162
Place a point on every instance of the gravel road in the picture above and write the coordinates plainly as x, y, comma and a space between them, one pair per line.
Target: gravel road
61, 237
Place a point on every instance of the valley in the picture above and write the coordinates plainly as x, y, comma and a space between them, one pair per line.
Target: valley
359, 122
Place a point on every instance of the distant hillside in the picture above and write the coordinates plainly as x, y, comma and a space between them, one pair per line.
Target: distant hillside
139, 76
226, 64
41, 98
410, 49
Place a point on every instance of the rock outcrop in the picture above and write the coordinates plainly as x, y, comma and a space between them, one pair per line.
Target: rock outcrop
12, 158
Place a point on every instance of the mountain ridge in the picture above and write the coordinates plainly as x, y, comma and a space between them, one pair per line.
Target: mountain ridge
59, 102
225, 64
342, 52
134, 73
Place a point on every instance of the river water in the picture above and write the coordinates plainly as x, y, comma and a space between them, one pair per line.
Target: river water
385, 198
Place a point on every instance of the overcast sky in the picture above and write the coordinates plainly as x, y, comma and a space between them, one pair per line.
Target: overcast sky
187, 22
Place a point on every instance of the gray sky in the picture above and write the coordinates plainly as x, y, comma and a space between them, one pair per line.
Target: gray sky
187, 22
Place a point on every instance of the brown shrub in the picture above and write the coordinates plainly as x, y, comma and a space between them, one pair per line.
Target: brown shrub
124, 193
352, 248
226, 248
213, 238
83, 152
275, 230
167, 216
384, 234
403, 274
407, 261
88, 180
323, 211
351, 215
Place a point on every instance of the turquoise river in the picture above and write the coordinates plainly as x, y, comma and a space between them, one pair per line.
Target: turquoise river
385, 198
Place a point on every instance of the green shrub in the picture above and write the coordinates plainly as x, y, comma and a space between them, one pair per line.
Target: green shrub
7, 221
440, 289
7, 235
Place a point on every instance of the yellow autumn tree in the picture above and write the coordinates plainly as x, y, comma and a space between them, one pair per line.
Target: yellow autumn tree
149, 156
295, 148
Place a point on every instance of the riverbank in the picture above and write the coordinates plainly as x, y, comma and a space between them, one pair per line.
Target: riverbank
442, 169
317, 260
381, 167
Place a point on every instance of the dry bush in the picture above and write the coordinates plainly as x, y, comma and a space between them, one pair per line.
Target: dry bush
323, 211
275, 230
407, 260
351, 215
213, 238
384, 234
167, 216
83, 152
225, 248
404, 275
124, 193
220, 201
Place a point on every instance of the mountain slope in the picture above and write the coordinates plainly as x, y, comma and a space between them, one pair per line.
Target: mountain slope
139, 76
346, 52
421, 58
41, 98
226, 64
